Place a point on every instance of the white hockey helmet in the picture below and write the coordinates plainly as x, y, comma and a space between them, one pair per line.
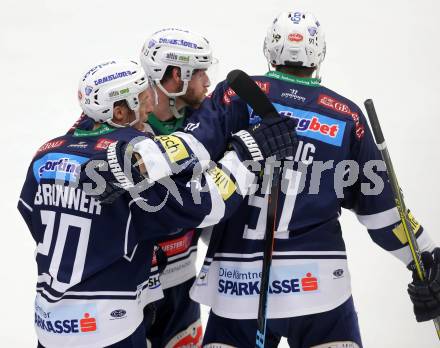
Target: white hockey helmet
175, 47
109, 82
295, 38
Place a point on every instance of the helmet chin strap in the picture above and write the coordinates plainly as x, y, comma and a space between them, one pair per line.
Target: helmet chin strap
174, 111
172, 97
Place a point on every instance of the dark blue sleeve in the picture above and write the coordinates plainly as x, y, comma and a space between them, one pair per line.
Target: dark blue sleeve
372, 199
192, 201
26, 201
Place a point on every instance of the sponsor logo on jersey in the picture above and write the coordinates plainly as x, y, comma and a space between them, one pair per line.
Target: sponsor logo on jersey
174, 147
178, 42
338, 273
53, 144
223, 182
79, 145
310, 124
229, 93
284, 280
293, 94
399, 230
154, 282
67, 320
191, 127
58, 166
175, 246
295, 37
202, 279
190, 337
103, 144
333, 104
118, 313
112, 77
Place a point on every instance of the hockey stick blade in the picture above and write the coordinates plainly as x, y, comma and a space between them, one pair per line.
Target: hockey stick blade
248, 90
398, 196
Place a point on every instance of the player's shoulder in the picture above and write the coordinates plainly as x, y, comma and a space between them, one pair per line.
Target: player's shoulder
86, 142
331, 100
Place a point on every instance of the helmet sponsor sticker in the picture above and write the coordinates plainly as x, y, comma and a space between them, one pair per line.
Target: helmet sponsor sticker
67, 320
177, 42
310, 124
58, 166
284, 280
88, 90
112, 77
312, 31
295, 37
93, 70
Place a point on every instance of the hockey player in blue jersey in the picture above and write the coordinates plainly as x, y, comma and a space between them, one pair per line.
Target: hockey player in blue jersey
93, 259
336, 165
180, 75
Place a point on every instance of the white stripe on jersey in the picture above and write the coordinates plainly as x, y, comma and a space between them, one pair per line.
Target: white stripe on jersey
182, 255
425, 244
25, 204
280, 253
196, 147
380, 220
217, 204
243, 177
154, 160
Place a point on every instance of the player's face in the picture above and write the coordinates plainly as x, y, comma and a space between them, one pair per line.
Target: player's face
197, 88
146, 99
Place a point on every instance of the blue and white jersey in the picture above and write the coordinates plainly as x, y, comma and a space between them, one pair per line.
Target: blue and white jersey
93, 260
337, 165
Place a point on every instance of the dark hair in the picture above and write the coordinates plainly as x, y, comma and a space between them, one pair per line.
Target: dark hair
122, 102
168, 73
296, 70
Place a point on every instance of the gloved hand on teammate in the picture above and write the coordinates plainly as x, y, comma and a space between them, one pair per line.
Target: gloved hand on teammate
425, 295
274, 136
111, 173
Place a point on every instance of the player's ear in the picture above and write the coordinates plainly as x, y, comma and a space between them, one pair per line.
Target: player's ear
119, 114
176, 74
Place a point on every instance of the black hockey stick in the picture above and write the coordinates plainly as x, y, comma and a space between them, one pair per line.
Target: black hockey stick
398, 197
247, 90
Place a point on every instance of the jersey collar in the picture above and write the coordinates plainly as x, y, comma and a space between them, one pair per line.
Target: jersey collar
312, 82
164, 127
102, 129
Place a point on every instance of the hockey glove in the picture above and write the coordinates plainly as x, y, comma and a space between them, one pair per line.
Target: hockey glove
274, 136
116, 166
425, 295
